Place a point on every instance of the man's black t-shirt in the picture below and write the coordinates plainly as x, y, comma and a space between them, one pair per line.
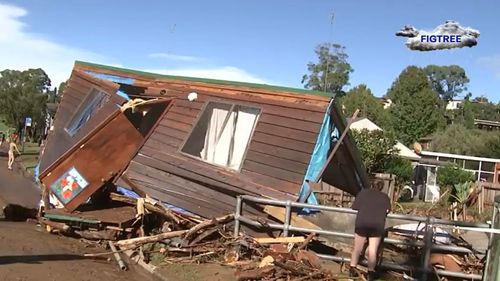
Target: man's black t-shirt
372, 206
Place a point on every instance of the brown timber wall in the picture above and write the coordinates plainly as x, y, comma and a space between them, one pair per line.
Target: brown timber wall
79, 86
275, 163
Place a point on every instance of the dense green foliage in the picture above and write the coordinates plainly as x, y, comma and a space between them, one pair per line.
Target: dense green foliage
450, 175
458, 139
419, 98
379, 154
399, 167
416, 110
447, 81
331, 72
361, 97
24, 94
376, 148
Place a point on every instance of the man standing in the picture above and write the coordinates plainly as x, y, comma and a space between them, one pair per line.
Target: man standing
373, 206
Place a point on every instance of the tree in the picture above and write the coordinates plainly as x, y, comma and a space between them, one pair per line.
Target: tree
360, 97
331, 72
450, 174
376, 148
399, 167
447, 81
484, 109
60, 91
23, 94
457, 139
416, 110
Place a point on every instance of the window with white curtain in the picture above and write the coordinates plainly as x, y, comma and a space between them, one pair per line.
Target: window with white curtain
222, 134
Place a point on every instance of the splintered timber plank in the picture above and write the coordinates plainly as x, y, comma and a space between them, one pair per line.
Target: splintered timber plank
279, 213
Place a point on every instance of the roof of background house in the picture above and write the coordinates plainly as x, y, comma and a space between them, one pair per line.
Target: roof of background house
206, 80
365, 123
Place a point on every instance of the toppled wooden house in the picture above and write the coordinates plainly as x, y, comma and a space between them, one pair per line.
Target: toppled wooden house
193, 143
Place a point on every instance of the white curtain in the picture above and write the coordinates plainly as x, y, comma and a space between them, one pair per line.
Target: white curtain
213, 131
242, 133
233, 136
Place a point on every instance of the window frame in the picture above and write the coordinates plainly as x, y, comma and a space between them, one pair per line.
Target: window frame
198, 118
85, 102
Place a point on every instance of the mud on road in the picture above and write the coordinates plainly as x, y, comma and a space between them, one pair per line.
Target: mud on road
29, 253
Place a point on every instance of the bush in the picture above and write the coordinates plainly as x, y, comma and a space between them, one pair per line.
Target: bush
450, 175
376, 148
399, 167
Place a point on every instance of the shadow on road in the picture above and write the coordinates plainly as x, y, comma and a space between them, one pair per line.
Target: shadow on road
37, 259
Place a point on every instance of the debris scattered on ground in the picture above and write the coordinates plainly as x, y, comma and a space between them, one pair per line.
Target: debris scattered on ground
159, 235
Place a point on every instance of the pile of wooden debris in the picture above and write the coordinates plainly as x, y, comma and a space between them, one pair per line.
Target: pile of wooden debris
155, 232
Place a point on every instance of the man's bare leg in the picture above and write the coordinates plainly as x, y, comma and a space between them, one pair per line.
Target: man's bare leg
373, 246
359, 242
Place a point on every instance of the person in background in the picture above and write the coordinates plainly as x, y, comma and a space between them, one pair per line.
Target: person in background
2, 138
373, 206
418, 180
12, 150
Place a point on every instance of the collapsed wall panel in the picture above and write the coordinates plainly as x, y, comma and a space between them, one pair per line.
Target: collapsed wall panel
97, 160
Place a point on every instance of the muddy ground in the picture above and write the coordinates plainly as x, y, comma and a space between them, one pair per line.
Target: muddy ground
29, 253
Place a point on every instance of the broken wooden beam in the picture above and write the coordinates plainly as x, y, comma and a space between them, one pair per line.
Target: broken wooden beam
135, 242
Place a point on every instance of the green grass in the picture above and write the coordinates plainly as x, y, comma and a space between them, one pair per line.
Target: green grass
29, 157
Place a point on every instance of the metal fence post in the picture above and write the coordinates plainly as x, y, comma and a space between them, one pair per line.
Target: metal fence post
427, 248
491, 267
239, 203
288, 214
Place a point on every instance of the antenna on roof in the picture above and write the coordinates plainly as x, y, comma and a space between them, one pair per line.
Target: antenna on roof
329, 40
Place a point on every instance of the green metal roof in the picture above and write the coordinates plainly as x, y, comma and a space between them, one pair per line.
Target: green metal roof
206, 80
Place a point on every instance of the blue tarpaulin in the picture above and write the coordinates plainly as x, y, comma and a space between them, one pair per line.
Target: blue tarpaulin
112, 78
123, 95
116, 79
134, 195
318, 159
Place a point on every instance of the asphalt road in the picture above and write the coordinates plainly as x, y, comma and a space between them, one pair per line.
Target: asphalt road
29, 253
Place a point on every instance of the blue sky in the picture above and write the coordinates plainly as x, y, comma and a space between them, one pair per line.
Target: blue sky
256, 41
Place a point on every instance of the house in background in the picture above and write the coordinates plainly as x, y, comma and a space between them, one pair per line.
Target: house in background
454, 104
365, 123
486, 124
